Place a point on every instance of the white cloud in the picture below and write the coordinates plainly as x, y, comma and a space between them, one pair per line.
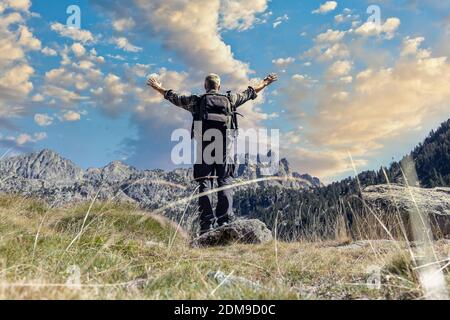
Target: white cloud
341, 95
10, 51
114, 87
40, 136
71, 79
83, 36
340, 68
346, 16
298, 77
276, 24
339, 18
27, 39
326, 7
37, 98
110, 92
327, 51
124, 24
172, 20
283, 62
336, 51
66, 96
124, 44
116, 57
78, 49
347, 79
241, 15
71, 116
43, 120
15, 82
325, 164
385, 102
387, 29
411, 48
16, 40
22, 5
86, 65
280, 20
330, 36
138, 70
49, 52
328, 46
294, 95
380, 103
25, 138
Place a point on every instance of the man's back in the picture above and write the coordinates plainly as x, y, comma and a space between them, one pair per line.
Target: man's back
212, 111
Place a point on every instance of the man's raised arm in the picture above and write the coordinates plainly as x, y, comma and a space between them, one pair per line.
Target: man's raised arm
252, 91
182, 101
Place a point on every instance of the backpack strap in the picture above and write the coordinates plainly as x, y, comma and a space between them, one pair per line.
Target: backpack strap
234, 126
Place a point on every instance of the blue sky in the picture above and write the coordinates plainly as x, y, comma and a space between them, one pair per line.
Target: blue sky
347, 85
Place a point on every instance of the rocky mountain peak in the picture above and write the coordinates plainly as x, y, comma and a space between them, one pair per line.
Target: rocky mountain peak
45, 164
117, 166
249, 168
117, 171
47, 153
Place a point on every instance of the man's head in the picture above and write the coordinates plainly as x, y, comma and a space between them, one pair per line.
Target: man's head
212, 82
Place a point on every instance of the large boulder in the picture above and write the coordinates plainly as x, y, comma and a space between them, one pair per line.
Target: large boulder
434, 202
240, 231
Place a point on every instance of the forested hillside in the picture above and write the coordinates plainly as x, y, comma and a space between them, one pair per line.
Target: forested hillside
315, 212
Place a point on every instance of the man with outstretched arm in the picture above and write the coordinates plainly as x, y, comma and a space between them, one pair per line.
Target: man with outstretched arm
213, 110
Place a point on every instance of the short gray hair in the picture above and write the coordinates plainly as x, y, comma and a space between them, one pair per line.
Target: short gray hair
212, 81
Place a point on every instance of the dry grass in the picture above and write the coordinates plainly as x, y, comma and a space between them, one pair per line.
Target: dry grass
119, 252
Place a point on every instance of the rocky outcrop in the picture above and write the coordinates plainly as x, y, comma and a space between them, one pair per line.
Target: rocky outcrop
241, 231
435, 202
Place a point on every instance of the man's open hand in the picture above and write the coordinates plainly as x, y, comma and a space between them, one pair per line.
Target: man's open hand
154, 83
271, 78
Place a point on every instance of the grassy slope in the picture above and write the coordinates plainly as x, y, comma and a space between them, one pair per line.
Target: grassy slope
126, 254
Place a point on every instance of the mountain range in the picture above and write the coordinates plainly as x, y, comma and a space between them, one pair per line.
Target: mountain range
47, 175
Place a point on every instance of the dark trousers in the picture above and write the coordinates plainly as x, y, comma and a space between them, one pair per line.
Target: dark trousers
205, 174
224, 209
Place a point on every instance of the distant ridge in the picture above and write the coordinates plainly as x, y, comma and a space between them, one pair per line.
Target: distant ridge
48, 176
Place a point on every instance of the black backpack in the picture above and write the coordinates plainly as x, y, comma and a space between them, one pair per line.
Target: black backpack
215, 107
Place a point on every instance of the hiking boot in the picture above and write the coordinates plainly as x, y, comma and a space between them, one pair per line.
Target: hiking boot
225, 220
205, 227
